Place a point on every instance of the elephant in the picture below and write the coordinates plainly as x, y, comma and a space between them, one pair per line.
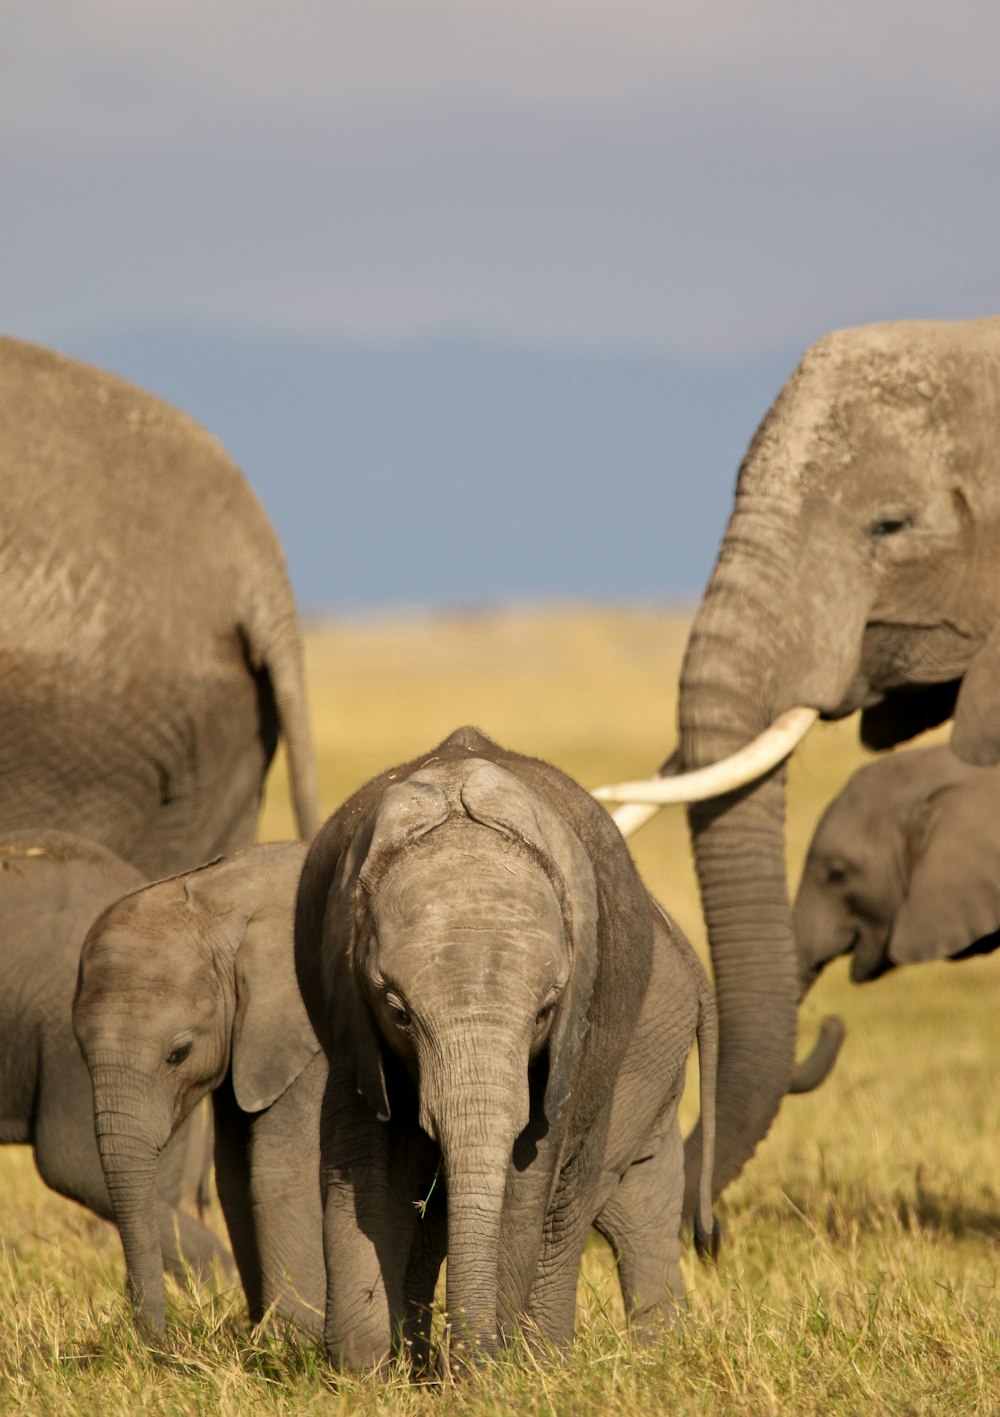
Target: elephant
506, 1015
859, 571
53, 886
150, 648
186, 988
904, 866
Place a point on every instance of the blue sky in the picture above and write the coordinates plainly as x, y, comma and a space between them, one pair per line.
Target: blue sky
711, 182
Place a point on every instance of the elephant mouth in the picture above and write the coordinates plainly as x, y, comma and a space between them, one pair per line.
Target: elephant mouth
870, 961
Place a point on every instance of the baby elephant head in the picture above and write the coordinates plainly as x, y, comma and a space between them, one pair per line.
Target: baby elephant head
904, 866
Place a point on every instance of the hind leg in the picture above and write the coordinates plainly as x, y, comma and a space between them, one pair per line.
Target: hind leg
641, 1221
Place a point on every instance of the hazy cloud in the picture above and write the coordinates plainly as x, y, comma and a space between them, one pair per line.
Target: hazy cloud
550, 170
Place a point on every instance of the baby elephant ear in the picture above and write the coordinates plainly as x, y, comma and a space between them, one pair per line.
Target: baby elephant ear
273, 1040
498, 799
953, 898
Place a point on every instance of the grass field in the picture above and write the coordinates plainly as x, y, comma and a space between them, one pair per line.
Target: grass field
859, 1273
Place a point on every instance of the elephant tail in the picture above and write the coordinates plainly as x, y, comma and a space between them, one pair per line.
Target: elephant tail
288, 679
706, 1229
272, 637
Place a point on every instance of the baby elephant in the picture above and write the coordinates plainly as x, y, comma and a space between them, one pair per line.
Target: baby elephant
52, 886
187, 988
507, 1015
904, 866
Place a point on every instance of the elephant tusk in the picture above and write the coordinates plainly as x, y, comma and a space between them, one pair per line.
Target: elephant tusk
630, 816
767, 750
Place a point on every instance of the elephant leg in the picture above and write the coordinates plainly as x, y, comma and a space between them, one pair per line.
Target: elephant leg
427, 1253
641, 1221
286, 1200
195, 1186
551, 1308
232, 1179
371, 1173
190, 1249
62, 1130
214, 777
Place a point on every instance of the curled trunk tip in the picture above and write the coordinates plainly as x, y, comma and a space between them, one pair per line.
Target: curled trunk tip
813, 1070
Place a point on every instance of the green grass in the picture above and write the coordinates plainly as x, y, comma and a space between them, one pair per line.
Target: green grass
859, 1272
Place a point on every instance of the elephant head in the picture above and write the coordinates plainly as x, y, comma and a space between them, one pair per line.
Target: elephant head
180, 983
460, 941
904, 866
859, 571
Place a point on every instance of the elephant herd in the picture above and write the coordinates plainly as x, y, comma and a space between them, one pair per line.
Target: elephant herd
452, 1022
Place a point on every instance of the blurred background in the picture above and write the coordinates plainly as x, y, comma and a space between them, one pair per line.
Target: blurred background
488, 299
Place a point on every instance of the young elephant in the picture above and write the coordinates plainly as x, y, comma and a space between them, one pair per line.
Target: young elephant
507, 1015
187, 988
52, 886
904, 866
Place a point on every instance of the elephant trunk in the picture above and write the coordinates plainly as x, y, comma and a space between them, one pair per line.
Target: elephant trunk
480, 1114
749, 659
130, 1152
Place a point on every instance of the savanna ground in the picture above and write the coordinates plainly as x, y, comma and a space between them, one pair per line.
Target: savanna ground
859, 1273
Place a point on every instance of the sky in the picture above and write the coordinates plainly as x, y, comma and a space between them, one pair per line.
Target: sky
711, 182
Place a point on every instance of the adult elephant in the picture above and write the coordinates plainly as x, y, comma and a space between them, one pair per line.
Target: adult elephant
860, 570
150, 651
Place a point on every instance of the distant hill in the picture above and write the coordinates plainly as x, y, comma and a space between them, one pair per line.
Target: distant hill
456, 472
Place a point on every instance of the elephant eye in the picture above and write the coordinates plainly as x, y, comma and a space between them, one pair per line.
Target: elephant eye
836, 873
177, 1054
888, 526
400, 1014
543, 1015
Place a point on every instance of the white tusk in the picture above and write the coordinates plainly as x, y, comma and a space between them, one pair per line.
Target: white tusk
746, 765
630, 816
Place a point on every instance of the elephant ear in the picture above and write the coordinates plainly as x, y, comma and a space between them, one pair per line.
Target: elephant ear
405, 810
975, 735
498, 799
273, 1040
953, 898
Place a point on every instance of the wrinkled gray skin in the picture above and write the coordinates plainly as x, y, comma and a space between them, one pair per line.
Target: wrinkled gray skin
150, 650
187, 988
507, 1015
904, 866
859, 571
52, 887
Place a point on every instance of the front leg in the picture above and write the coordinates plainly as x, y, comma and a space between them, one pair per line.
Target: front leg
551, 1308
368, 1227
287, 1205
430, 1243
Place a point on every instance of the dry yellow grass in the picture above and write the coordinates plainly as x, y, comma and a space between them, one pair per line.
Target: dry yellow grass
860, 1270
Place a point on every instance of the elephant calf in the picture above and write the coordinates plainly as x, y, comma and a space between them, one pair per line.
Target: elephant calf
52, 886
187, 988
904, 866
507, 1015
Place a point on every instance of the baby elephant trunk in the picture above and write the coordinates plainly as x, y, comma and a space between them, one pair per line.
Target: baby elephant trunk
482, 1109
129, 1155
